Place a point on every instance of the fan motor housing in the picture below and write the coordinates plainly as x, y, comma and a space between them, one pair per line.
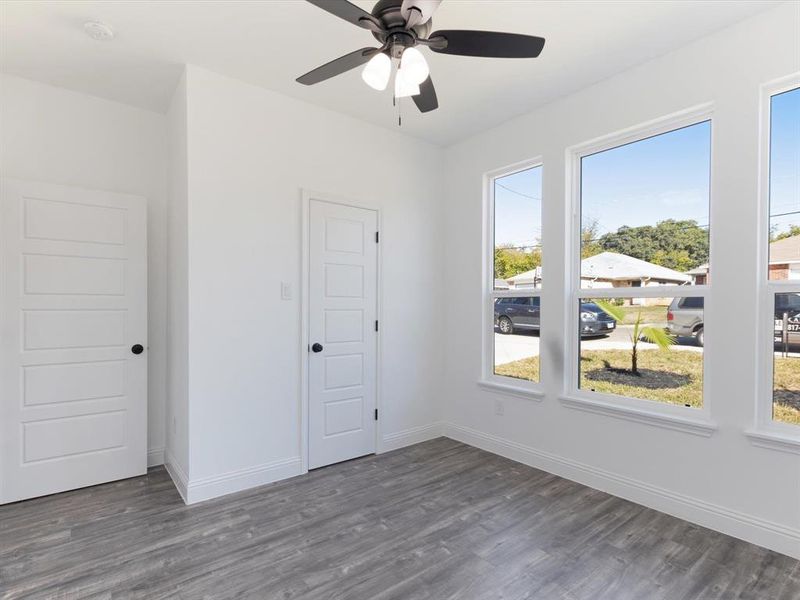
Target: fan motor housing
388, 11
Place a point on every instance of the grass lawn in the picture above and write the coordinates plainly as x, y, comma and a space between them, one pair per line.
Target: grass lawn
650, 314
675, 377
786, 407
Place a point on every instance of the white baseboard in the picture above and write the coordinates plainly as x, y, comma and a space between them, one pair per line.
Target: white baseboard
415, 435
207, 488
177, 474
155, 457
779, 538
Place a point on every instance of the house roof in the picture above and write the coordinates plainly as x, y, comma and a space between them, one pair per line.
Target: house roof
526, 276
700, 270
610, 266
500, 284
785, 251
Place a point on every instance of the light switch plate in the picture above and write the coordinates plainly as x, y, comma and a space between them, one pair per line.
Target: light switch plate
286, 290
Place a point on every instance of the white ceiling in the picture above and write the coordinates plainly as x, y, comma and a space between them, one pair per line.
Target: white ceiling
271, 42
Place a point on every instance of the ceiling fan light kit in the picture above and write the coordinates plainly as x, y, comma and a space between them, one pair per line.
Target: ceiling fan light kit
402, 25
414, 66
377, 72
404, 86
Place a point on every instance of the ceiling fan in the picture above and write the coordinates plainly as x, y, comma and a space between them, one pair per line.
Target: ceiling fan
400, 26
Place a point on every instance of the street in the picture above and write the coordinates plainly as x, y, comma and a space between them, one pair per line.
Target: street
508, 348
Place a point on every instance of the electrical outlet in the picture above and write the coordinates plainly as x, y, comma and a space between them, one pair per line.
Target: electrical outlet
286, 290
499, 408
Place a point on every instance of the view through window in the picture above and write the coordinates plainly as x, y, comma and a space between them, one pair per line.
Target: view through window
784, 253
645, 226
517, 259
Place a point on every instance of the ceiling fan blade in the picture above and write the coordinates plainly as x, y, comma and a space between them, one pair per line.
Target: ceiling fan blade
426, 100
426, 8
492, 44
349, 12
338, 66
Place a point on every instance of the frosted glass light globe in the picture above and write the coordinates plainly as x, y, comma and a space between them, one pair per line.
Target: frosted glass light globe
414, 66
403, 87
377, 71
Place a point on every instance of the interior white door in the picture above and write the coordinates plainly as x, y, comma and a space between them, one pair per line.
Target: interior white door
343, 278
73, 409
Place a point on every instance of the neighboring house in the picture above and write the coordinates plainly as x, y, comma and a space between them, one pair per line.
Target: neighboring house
612, 270
500, 284
526, 280
784, 258
784, 262
699, 274
609, 269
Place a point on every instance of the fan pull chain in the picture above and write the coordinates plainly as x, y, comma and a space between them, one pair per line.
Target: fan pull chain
398, 102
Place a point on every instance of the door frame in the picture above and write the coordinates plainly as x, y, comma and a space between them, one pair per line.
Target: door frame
307, 195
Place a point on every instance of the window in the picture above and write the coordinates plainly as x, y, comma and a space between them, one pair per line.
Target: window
780, 299
514, 277
641, 268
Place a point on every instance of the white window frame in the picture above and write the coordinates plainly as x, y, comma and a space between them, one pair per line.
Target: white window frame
689, 420
488, 379
767, 432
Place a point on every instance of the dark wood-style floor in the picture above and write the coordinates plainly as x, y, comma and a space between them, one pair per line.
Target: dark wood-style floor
437, 520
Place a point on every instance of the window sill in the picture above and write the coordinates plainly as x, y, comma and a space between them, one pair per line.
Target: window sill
701, 427
511, 390
774, 441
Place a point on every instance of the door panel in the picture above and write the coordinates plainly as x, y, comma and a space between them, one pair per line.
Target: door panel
342, 313
73, 398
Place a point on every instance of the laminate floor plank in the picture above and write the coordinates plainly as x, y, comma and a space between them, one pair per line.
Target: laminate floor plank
435, 521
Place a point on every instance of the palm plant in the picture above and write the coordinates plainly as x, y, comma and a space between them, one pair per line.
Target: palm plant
648, 333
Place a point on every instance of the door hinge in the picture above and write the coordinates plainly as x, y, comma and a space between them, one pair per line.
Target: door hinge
376, 325
376, 414
377, 237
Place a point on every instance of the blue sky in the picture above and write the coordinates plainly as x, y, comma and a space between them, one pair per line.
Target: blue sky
784, 180
651, 180
662, 177
518, 213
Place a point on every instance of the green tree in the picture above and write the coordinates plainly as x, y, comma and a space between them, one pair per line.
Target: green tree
589, 243
774, 235
679, 245
510, 261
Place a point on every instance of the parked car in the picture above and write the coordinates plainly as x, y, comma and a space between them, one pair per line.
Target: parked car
787, 306
685, 318
511, 314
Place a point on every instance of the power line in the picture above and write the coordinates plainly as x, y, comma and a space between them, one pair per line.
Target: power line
786, 214
505, 187
597, 239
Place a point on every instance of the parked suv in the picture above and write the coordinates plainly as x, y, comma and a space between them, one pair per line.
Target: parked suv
524, 313
685, 318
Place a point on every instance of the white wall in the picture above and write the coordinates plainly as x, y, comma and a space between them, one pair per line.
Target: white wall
177, 409
250, 152
721, 481
58, 136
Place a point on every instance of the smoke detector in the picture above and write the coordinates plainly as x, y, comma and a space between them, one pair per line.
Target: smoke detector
98, 31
